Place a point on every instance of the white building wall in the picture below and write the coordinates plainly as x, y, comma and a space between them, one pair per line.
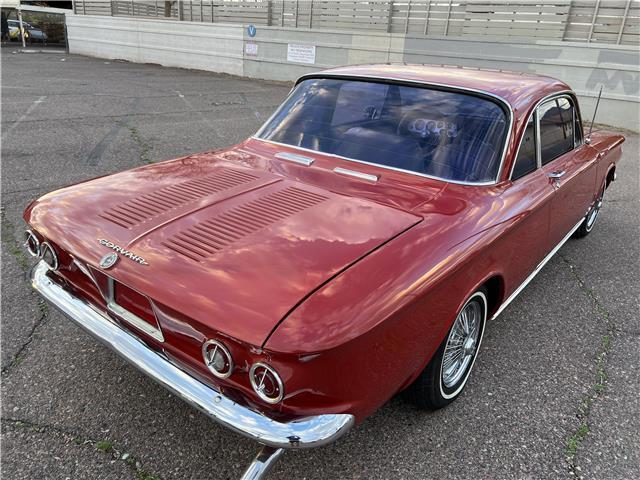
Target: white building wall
221, 48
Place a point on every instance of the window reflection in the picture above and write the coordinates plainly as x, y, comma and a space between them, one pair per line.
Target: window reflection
449, 135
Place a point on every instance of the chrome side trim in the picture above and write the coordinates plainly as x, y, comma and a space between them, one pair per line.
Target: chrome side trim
355, 173
453, 88
304, 433
293, 157
544, 261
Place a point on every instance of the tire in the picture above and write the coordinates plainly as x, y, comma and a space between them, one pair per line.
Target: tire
590, 218
440, 383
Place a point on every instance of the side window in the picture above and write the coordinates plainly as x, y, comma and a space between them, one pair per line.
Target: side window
556, 128
526, 160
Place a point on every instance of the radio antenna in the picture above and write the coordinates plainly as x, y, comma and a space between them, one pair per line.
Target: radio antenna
593, 119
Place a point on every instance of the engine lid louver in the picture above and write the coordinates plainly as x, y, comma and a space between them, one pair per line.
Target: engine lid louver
145, 207
212, 235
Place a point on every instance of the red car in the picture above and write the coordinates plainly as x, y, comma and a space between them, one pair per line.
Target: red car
353, 248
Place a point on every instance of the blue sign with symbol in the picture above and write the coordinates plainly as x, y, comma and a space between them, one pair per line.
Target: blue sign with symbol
251, 31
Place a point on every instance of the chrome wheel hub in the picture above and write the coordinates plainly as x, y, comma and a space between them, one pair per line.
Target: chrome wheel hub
462, 344
593, 214
469, 346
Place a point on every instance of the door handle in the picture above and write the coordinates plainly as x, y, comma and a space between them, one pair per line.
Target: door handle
557, 175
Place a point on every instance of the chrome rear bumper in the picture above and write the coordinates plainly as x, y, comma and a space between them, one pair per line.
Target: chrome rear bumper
305, 433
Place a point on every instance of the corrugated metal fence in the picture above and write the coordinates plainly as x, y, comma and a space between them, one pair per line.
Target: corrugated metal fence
598, 21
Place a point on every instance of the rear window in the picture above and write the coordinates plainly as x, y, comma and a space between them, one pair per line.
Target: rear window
449, 135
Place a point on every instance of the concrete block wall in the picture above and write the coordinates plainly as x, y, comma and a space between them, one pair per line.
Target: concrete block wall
221, 48
170, 43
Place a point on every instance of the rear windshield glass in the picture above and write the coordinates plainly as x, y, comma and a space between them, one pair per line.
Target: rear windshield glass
449, 135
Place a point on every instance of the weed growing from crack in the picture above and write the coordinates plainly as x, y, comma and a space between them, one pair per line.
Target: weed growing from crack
9, 239
575, 441
145, 149
105, 446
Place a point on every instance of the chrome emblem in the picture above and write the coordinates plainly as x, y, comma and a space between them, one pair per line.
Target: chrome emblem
122, 251
109, 260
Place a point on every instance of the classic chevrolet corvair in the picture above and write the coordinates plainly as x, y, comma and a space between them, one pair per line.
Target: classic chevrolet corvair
353, 248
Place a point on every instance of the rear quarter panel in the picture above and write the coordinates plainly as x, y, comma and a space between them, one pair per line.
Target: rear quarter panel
609, 146
375, 326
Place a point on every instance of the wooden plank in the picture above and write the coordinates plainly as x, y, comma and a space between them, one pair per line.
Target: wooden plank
590, 3
508, 25
519, 32
488, 10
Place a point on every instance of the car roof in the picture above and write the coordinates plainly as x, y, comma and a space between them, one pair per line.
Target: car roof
519, 90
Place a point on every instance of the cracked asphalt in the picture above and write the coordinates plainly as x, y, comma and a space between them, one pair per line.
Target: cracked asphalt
554, 393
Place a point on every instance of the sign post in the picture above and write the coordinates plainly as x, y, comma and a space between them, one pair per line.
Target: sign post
21, 27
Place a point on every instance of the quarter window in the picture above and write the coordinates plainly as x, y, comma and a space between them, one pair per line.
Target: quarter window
557, 129
526, 161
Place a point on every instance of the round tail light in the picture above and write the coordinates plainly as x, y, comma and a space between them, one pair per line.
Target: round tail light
217, 358
32, 243
49, 255
266, 383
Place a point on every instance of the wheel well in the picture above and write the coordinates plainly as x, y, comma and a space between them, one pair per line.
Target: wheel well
495, 293
610, 176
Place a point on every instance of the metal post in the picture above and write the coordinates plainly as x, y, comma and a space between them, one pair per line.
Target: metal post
263, 462
593, 20
390, 16
406, 23
66, 37
624, 20
180, 10
446, 25
269, 4
296, 14
310, 13
84, 7
282, 15
426, 18
212, 16
24, 45
201, 13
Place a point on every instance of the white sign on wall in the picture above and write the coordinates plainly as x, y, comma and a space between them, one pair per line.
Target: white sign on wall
251, 49
301, 53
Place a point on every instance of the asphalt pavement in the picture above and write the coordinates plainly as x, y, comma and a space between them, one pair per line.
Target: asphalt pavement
555, 390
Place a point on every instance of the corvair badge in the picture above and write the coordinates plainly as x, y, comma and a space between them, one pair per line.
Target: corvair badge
123, 252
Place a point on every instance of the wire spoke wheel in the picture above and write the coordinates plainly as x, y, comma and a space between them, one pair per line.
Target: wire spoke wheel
593, 213
462, 344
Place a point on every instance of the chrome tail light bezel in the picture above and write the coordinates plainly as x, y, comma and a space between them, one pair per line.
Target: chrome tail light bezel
258, 387
44, 248
32, 243
208, 357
